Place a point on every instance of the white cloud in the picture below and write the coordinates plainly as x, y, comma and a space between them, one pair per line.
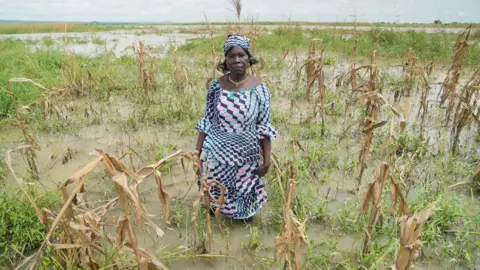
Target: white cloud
216, 10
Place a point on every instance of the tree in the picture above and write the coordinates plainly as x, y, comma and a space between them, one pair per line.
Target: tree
437, 22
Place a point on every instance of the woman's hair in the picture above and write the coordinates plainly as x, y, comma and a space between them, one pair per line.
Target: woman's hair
222, 66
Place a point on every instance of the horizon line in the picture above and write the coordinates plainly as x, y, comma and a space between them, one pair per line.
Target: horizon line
223, 22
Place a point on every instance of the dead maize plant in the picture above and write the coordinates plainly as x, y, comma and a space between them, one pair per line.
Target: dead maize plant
289, 244
79, 227
450, 83
375, 195
467, 109
146, 71
410, 244
30, 139
205, 193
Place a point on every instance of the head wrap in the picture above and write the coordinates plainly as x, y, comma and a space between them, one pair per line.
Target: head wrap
237, 40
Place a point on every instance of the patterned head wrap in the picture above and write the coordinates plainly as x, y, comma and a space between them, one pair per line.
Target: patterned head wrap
237, 40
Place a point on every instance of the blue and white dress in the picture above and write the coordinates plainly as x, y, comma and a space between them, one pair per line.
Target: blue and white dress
234, 123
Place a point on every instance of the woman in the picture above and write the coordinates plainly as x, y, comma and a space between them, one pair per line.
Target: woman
236, 125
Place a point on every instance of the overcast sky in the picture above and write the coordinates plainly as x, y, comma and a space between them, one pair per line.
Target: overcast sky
264, 10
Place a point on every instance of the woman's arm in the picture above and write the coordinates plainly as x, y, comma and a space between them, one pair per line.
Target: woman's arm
200, 139
204, 125
266, 132
266, 145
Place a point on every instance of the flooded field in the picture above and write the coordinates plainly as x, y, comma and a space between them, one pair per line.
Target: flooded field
118, 42
105, 107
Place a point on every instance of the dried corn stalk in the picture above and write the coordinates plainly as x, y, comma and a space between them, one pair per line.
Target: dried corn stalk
468, 109
375, 195
181, 75
147, 74
373, 101
215, 61
450, 83
410, 230
206, 194
311, 68
30, 139
82, 234
289, 243
409, 70
322, 97
163, 196
352, 74
257, 71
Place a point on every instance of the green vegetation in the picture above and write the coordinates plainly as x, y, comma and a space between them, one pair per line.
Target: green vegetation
21, 28
390, 43
20, 230
30, 28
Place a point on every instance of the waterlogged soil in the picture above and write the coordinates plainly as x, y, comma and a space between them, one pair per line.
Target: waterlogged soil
61, 155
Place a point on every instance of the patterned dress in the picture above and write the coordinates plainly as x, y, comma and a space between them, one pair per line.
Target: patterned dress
234, 123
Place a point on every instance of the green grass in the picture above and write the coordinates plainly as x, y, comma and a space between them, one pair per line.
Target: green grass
20, 228
30, 28
390, 44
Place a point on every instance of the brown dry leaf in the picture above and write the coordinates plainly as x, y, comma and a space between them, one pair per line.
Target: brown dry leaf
373, 126
292, 237
119, 166
410, 229
220, 201
143, 265
121, 231
163, 196
196, 207
84, 171
368, 198
394, 189
122, 183
25, 80
78, 227
65, 246
148, 170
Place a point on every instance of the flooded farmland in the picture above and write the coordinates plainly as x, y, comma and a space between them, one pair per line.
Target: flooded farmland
107, 109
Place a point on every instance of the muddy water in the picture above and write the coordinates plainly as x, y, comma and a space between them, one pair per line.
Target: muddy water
180, 185
118, 42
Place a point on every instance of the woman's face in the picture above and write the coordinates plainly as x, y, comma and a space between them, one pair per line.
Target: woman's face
237, 60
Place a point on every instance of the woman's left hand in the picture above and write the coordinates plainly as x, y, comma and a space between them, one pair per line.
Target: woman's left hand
263, 169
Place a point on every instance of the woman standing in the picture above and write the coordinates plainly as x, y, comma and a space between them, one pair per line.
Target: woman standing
235, 128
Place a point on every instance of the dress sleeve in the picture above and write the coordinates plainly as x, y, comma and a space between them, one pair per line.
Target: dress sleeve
207, 120
264, 128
